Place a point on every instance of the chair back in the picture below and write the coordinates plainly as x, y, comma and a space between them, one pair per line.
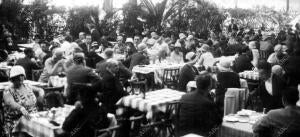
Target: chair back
235, 100
170, 77
36, 73
54, 97
263, 54
138, 87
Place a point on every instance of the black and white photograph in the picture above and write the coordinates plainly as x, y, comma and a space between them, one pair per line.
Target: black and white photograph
149, 68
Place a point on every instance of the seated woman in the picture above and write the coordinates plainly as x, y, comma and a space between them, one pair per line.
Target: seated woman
270, 87
206, 59
19, 99
279, 57
188, 71
176, 56
226, 78
86, 117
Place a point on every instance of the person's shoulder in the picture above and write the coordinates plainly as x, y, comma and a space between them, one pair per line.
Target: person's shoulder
276, 113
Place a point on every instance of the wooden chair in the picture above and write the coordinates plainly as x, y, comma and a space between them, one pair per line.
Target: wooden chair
53, 97
140, 86
170, 77
108, 132
165, 123
36, 73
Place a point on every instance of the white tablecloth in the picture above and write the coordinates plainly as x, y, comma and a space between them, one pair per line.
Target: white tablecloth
154, 101
41, 127
3, 85
157, 69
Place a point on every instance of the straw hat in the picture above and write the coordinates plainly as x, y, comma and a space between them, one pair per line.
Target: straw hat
177, 45
151, 41
204, 47
16, 71
141, 47
182, 36
224, 64
129, 40
189, 55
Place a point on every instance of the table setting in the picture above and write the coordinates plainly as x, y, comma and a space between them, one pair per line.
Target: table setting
150, 102
239, 124
252, 75
157, 69
45, 123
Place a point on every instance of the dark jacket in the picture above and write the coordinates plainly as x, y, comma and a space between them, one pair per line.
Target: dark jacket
28, 66
283, 122
225, 80
84, 47
92, 59
272, 101
198, 114
292, 70
187, 73
112, 91
137, 59
242, 63
90, 119
95, 35
78, 74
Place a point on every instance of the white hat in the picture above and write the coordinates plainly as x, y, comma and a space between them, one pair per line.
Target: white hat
177, 45
224, 64
190, 37
16, 71
182, 36
129, 40
189, 55
151, 41
141, 47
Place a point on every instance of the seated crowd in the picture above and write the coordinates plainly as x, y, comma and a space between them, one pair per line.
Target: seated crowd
98, 71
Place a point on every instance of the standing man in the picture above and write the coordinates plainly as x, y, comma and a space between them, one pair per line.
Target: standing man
86, 45
94, 32
81, 37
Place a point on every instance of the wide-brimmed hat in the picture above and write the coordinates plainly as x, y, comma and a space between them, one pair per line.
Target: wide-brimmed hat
17, 71
177, 45
224, 64
151, 41
141, 47
129, 40
182, 36
204, 47
189, 56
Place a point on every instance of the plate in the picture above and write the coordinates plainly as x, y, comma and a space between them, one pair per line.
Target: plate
231, 119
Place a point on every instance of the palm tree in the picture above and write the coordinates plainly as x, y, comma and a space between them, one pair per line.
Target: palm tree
156, 14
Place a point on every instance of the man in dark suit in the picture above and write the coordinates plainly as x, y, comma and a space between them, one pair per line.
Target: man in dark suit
282, 122
198, 113
28, 63
86, 45
78, 73
112, 89
138, 58
232, 27
94, 33
188, 72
